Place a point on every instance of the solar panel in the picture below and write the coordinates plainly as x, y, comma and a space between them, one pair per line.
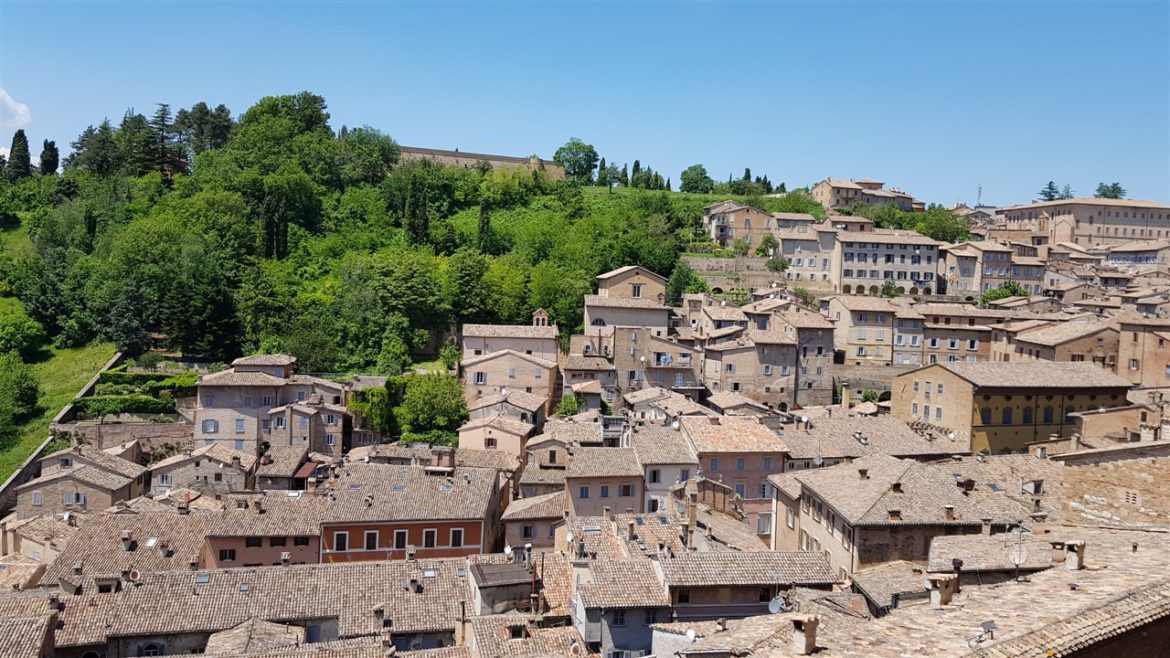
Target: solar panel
202, 578
639, 520
663, 521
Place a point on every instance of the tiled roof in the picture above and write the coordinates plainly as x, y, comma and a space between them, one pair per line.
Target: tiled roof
516, 398
254, 635
490, 356
1035, 374
383, 492
630, 268
265, 360
216, 451
510, 331
623, 584
98, 545
658, 444
90, 475
885, 236
604, 462
1090, 201
1062, 332
802, 319
730, 399
599, 537
730, 434
582, 362
25, 637
555, 576
886, 584
747, 568
837, 437
770, 337
864, 303
547, 506
843, 488
210, 601
787, 483
624, 302
282, 461
545, 476
725, 313
591, 387
988, 553
43, 529
233, 378
492, 638
500, 422
99, 458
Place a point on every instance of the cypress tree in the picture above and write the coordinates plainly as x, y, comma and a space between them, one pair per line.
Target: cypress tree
50, 158
18, 157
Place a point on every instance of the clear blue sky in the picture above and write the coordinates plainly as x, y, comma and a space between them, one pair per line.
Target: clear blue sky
934, 98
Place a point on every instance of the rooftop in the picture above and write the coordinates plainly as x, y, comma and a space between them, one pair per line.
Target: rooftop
1034, 374
547, 506
730, 434
855, 437
747, 568
623, 584
658, 444
604, 463
510, 331
265, 360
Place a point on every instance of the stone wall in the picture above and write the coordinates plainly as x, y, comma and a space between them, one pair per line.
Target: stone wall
150, 435
740, 273
1124, 493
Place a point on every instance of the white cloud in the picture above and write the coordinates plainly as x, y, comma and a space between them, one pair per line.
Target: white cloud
13, 113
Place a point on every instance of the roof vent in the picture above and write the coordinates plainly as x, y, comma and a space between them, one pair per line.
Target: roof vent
895, 515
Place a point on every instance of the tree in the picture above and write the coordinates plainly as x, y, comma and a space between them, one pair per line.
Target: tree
889, 290
777, 264
364, 156
50, 158
602, 180
578, 158
375, 407
1104, 191
19, 163
782, 189
695, 180
484, 228
624, 178
20, 334
1066, 192
1007, 289
747, 174
805, 296
18, 389
202, 129
1050, 192
870, 396
96, 151
449, 355
432, 402
768, 245
683, 281
569, 405
394, 357
417, 214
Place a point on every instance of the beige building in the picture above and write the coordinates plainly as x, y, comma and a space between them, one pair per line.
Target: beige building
78, 489
1092, 342
835, 193
812, 255
972, 268
632, 282
496, 373
538, 339
1143, 352
469, 160
666, 458
600, 479
730, 223
212, 469
603, 311
906, 259
864, 328
525, 407
1092, 221
759, 364
1002, 407
534, 520
498, 432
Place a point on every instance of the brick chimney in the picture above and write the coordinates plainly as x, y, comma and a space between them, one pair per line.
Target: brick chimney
1074, 555
942, 588
630, 530
986, 526
949, 512
128, 540
863, 473
804, 634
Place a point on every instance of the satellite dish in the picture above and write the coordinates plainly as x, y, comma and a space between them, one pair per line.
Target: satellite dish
507, 549
804, 419
575, 649
951, 435
819, 460
691, 634
774, 606
927, 583
569, 536
1019, 555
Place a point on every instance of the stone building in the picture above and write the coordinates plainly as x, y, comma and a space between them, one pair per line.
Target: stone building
211, 469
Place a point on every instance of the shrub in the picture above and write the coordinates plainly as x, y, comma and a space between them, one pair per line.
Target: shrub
21, 334
105, 405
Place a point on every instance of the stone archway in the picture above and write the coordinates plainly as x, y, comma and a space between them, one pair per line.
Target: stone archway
901, 290
913, 290
846, 289
873, 290
926, 291
717, 291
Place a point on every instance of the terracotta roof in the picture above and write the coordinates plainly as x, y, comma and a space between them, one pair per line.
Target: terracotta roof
492, 637
90, 475
42, 529
747, 568
582, 362
470, 361
837, 438
282, 461
382, 492
510, 331
265, 360
548, 506
623, 584
630, 268
730, 434
802, 319
604, 462
100, 459
516, 398
886, 236
234, 378
624, 302
26, 637
885, 585
989, 553
591, 387
725, 313
1063, 332
658, 444
1090, 201
1034, 374
534, 475
254, 635
501, 422
216, 451
730, 399
771, 337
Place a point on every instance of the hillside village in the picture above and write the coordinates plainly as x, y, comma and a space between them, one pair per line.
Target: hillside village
860, 442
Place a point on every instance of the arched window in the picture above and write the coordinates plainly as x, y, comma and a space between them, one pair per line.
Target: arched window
1007, 416
985, 415
152, 650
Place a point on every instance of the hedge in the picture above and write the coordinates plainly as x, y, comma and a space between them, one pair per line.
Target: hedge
102, 405
133, 378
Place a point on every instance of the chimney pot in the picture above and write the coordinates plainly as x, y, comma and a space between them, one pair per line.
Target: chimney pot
1074, 555
949, 512
804, 634
986, 526
863, 473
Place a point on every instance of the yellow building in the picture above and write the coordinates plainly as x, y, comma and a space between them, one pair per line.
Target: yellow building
1002, 407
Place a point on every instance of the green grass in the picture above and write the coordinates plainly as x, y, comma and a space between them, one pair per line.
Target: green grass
10, 306
61, 375
16, 243
432, 366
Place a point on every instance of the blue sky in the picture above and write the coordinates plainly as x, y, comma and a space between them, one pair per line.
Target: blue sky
934, 98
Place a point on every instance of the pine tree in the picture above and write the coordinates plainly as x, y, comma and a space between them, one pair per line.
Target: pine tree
668, 185
635, 180
747, 174
602, 178
485, 227
1067, 192
1050, 192
783, 189
50, 158
417, 219
19, 163
624, 179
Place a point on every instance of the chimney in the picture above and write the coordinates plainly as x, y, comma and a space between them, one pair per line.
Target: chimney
1074, 552
311, 486
896, 487
285, 556
942, 588
258, 506
957, 564
193, 565
986, 525
55, 603
128, 540
184, 506
236, 461
693, 511
1074, 442
721, 624
164, 548
630, 530
1041, 452
77, 568
895, 515
804, 634
949, 512
607, 513
460, 620
863, 473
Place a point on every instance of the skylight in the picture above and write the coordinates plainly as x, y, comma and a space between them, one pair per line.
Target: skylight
202, 578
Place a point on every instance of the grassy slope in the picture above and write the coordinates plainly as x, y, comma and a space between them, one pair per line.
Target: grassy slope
61, 376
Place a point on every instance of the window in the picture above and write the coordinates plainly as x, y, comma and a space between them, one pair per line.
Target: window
66, 462
480, 378
341, 541
152, 650
972, 344
38, 499
764, 525
730, 367
953, 343
685, 474
713, 464
210, 426
239, 445
430, 537
604, 491
766, 490
227, 555
583, 493
637, 288
330, 439
767, 463
741, 490
626, 491
279, 422
277, 541
401, 538
619, 617
456, 537
300, 396
1027, 415
1007, 416
1048, 415
526, 532
767, 370
914, 409
489, 442
1134, 364
985, 415
511, 373
655, 476
240, 424
267, 401
939, 390
938, 413
300, 541
740, 464
371, 540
